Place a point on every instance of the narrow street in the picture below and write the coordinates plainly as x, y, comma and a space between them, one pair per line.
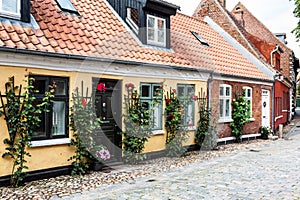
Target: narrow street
267, 172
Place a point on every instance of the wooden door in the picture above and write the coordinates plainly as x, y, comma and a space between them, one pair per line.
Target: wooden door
108, 104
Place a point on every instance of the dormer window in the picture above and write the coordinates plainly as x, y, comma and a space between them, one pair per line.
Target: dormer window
133, 19
10, 8
156, 30
67, 6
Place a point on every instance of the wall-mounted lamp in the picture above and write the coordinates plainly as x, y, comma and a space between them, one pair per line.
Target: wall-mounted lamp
278, 76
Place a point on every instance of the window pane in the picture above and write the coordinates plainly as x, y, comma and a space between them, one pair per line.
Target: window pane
227, 91
190, 114
160, 24
221, 107
10, 6
145, 90
161, 36
58, 118
156, 91
190, 91
249, 93
227, 108
180, 91
157, 116
66, 4
150, 34
40, 130
151, 22
60, 87
221, 91
40, 86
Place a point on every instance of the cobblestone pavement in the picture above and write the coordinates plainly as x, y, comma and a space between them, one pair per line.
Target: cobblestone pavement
266, 172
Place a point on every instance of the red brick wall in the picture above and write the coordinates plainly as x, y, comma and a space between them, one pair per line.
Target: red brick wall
253, 127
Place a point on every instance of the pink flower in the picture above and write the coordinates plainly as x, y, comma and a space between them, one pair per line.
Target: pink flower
191, 124
174, 90
129, 86
83, 102
101, 87
195, 98
168, 100
181, 112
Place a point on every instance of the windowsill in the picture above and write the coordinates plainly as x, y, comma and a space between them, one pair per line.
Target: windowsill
10, 15
158, 132
53, 142
228, 120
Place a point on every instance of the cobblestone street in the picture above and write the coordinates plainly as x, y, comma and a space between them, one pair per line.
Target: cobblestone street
267, 172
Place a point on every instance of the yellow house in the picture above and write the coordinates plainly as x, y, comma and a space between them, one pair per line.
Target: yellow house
84, 45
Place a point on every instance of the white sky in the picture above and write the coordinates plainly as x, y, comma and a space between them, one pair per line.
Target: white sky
277, 15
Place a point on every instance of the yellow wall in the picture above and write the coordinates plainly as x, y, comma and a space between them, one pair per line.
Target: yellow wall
56, 156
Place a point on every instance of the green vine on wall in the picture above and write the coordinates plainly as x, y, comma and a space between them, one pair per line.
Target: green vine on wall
22, 118
137, 126
176, 133
240, 115
85, 124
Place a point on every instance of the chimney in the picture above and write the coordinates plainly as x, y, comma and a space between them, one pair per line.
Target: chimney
239, 15
223, 3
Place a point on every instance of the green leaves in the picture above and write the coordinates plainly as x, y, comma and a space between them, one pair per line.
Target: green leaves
19, 114
137, 127
240, 115
176, 134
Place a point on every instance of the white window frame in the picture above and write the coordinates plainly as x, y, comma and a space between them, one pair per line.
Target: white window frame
189, 104
132, 24
246, 89
155, 41
156, 115
11, 14
225, 97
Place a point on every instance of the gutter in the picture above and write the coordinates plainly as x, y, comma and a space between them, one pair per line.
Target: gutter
91, 58
277, 48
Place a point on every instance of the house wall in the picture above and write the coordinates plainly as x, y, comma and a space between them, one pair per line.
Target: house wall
281, 104
252, 127
56, 155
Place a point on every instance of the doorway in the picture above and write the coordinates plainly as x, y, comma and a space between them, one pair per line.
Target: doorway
108, 105
265, 108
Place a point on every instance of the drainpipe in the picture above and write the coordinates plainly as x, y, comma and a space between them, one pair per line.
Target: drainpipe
209, 80
272, 52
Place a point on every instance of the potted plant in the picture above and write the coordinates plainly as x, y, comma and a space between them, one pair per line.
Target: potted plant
265, 132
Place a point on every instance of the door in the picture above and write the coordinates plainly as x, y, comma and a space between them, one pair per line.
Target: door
108, 104
265, 108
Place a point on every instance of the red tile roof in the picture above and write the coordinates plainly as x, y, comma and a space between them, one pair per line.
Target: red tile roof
220, 56
99, 33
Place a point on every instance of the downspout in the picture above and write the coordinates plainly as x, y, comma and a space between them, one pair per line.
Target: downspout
272, 52
209, 90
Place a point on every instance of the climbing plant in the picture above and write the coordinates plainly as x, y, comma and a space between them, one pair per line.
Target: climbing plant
85, 124
22, 119
240, 115
137, 126
176, 133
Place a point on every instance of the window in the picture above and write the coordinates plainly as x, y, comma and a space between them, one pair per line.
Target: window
54, 123
149, 93
248, 96
10, 7
225, 102
133, 19
67, 6
185, 95
156, 30
201, 40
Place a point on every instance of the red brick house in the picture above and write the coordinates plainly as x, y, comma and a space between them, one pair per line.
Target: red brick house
263, 44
